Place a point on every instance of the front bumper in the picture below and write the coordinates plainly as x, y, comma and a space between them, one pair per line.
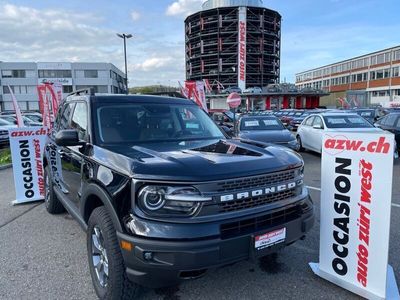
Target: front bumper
162, 262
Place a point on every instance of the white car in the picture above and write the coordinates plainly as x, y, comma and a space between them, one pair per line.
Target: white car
310, 132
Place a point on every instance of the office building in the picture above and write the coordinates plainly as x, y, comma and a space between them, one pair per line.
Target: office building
23, 78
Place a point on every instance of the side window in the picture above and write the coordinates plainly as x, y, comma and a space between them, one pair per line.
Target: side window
79, 120
398, 122
390, 119
65, 116
318, 121
309, 121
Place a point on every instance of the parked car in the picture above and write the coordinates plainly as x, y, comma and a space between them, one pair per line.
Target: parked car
368, 114
163, 196
391, 122
266, 129
253, 90
4, 126
13, 119
231, 89
34, 117
309, 133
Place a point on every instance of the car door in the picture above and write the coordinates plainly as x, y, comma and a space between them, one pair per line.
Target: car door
316, 132
72, 156
305, 132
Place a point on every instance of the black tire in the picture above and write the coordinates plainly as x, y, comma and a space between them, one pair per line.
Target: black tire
117, 285
301, 148
53, 205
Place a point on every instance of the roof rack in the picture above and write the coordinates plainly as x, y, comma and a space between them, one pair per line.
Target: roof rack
87, 91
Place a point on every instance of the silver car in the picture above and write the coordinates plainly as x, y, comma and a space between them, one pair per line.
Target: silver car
4, 126
310, 132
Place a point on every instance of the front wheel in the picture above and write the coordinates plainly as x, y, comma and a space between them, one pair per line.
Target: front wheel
53, 205
106, 264
300, 147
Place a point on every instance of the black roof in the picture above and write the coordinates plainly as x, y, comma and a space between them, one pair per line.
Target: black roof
138, 98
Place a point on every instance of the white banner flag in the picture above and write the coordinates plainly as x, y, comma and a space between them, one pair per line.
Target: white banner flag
27, 146
356, 187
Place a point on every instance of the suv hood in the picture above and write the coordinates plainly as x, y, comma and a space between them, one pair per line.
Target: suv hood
197, 160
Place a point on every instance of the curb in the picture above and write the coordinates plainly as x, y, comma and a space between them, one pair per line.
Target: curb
7, 166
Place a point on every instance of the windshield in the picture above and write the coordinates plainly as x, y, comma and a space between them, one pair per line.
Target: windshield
346, 121
4, 122
143, 123
248, 124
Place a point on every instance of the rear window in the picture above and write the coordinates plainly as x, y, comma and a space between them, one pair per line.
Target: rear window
260, 124
346, 121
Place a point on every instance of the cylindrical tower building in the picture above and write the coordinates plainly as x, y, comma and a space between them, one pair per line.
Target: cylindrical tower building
234, 42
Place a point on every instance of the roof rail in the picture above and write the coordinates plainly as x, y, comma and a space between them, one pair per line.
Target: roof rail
87, 91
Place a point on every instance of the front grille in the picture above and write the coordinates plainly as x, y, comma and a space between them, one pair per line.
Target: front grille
3, 132
256, 181
252, 225
256, 201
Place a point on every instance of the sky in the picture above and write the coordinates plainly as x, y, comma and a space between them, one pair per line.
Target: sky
314, 33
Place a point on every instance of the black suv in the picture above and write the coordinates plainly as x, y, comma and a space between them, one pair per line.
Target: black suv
163, 194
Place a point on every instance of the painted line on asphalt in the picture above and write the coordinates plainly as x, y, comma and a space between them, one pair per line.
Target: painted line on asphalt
313, 188
319, 189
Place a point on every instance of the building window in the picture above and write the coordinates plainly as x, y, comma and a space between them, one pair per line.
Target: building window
373, 60
397, 55
6, 90
55, 74
67, 89
13, 74
102, 89
395, 72
386, 73
91, 74
372, 75
380, 59
379, 74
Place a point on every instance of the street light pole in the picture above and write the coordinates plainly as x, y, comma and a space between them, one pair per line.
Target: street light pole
125, 37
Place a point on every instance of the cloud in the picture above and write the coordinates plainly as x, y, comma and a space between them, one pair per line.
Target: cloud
135, 16
29, 34
184, 7
153, 63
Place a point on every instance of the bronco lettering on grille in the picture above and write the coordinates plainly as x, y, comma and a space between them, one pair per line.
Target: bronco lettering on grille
260, 191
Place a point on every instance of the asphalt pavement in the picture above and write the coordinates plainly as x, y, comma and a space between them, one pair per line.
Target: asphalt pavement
43, 256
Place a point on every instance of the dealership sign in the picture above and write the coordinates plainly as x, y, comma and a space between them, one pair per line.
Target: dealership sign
63, 81
242, 48
27, 145
356, 187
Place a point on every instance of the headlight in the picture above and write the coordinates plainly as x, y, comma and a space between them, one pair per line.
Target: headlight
169, 201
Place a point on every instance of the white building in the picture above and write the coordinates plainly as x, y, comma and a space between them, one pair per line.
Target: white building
23, 78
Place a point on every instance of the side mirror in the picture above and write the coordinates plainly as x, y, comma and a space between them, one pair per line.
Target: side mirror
317, 126
227, 130
68, 137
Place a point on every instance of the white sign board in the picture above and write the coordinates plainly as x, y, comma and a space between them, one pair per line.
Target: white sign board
356, 187
27, 146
